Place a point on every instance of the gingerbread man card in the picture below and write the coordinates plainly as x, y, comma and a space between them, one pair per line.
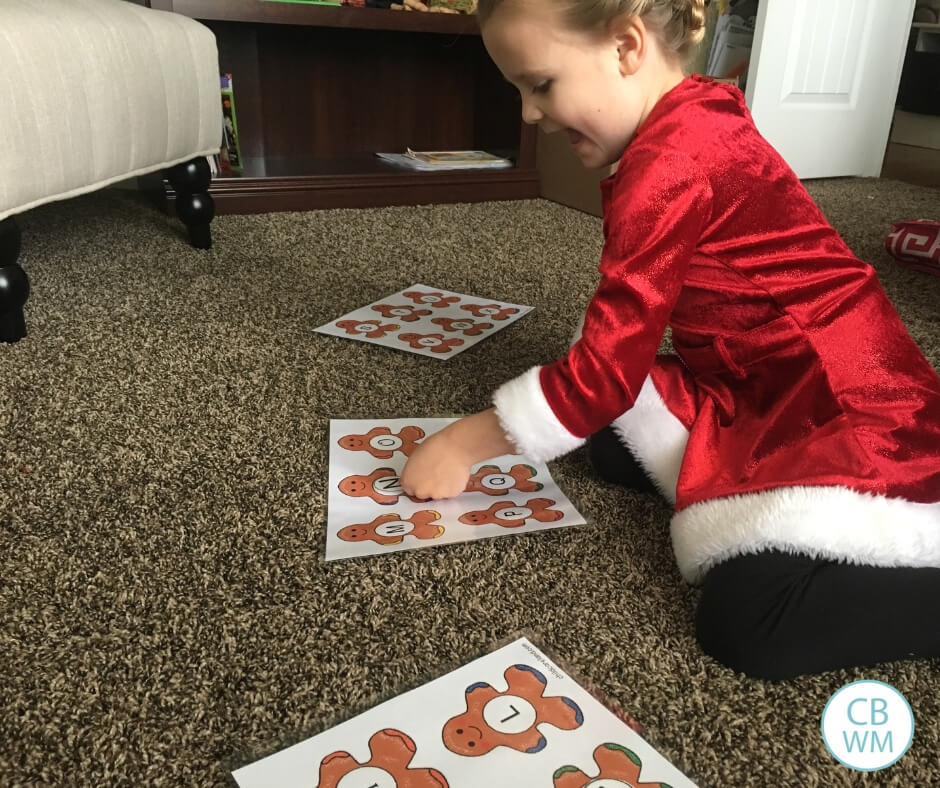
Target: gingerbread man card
368, 513
508, 719
426, 320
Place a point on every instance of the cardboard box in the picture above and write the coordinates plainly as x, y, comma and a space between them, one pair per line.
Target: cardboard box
562, 177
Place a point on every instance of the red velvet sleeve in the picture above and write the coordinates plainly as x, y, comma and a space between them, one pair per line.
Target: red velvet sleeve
656, 212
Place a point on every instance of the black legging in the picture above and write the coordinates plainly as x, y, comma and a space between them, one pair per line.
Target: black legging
778, 615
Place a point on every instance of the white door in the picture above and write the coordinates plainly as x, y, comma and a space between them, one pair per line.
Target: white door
823, 80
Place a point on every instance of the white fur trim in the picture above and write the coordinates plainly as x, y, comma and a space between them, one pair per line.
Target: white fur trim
823, 522
655, 437
529, 421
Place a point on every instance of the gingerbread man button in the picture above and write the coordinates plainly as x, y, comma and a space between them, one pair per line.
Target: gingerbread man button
434, 300
436, 343
493, 311
391, 753
391, 529
371, 330
491, 480
510, 718
405, 312
619, 768
381, 443
469, 328
382, 486
511, 515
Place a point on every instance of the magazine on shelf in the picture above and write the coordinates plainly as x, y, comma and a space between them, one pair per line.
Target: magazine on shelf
230, 153
430, 160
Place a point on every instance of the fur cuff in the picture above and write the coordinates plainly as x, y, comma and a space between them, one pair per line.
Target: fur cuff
528, 419
823, 522
655, 437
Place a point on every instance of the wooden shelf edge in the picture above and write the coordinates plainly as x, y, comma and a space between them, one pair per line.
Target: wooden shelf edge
264, 195
321, 16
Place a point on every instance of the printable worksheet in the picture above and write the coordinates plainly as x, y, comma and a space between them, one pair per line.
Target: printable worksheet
427, 321
368, 512
510, 719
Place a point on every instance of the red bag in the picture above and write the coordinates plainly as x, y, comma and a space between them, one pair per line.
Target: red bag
916, 244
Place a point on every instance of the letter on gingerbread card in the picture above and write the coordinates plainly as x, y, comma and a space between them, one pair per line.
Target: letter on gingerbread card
490, 479
382, 486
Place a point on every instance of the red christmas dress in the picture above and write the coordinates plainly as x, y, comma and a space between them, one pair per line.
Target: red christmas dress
798, 414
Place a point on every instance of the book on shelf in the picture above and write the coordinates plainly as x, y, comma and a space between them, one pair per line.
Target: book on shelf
435, 160
230, 156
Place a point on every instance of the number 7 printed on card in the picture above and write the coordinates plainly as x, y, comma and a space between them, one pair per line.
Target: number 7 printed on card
510, 719
425, 320
368, 513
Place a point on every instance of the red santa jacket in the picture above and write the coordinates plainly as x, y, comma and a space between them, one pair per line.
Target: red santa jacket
797, 399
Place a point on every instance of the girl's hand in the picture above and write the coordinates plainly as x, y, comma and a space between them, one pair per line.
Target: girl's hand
437, 468
440, 465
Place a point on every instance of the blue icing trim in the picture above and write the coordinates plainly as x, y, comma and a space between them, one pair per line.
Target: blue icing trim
539, 746
476, 686
578, 716
538, 675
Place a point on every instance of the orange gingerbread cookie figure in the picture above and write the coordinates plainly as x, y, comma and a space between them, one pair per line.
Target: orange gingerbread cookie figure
512, 515
404, 312
491, 480
468, 327
433, 300
436, 343
391, 529
381, 443
382, 486
510, 718
619, 768
391, 752
373, 330
493, 311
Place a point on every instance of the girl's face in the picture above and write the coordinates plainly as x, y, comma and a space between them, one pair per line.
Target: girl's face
590, 85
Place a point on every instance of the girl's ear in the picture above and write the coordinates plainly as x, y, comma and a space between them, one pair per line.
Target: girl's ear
630, 35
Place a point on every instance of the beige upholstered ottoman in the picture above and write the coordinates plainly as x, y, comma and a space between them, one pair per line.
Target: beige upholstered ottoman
93, 92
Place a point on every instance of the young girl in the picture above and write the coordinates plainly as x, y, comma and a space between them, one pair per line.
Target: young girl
797, 430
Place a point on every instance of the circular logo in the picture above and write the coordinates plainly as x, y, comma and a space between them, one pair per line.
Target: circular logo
867, 725
429, 341
367, 327
460, 325
488, 310
429, 299
395, 528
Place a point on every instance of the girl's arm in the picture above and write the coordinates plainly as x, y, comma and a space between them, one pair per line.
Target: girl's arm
440, 466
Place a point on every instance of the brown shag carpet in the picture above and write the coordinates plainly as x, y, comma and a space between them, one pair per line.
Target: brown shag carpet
166, 613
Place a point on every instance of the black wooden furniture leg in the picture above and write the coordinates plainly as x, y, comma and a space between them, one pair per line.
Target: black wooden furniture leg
194, 205
14, 285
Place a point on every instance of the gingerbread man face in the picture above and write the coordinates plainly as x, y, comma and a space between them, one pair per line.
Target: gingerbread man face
511, 515
391, 529
382, 486
492, 311
433, 342
391, 752
403, 312
491, 480
619, 768
374, 330
382, 444
510, 718
469, 328
433, 300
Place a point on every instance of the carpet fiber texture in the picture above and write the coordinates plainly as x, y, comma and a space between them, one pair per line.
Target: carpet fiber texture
166, 612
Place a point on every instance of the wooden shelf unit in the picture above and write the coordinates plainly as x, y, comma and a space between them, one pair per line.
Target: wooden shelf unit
320, 89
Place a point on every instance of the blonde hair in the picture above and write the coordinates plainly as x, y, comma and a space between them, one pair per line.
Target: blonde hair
680, 24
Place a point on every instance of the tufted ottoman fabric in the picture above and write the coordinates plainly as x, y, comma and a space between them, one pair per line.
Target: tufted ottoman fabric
93, 92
